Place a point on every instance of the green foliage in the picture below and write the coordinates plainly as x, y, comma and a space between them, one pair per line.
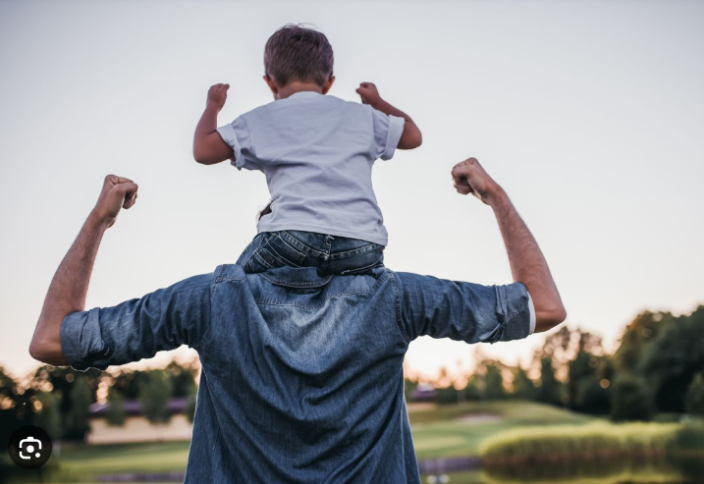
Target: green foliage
408, 387
446, 396
76, 420
154, 395
592, 398
494, 383
583, 367
191, 408
523, 386
630, 400
637, 339
116, 416
550, 389
593, 441
49, 418
474, 391
182, 379
673, 359
694, 401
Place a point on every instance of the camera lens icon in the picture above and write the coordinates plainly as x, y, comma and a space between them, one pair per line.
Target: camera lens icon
29, 447
30, 444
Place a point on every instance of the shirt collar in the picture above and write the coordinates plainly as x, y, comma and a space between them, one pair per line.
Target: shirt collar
300, 277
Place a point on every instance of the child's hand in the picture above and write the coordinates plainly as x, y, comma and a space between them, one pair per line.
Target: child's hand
367, 91
217, 95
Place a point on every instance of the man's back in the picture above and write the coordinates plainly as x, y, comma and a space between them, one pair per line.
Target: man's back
303, 375
291, 393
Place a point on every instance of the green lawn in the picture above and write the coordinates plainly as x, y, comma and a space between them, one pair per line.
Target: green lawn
454, 430
443, 432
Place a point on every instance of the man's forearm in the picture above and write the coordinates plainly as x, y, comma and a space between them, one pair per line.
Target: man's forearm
528, 265
67, 292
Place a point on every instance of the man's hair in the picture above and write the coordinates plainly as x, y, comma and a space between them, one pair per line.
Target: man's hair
296, 53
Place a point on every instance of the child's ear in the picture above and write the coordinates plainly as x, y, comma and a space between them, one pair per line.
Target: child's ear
328, 84
272, 85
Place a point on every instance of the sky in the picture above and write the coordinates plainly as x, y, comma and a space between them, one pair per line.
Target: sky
589, 113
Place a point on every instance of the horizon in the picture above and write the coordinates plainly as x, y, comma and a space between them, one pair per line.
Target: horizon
589, 114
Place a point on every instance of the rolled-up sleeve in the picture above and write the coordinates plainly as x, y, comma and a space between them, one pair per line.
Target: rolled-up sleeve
463, 311
387, 134
237, 136
139, 328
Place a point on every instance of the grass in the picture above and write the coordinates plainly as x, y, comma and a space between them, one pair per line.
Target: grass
440, 432
444, 431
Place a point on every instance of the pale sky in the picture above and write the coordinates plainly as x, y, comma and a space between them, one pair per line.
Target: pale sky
590, 114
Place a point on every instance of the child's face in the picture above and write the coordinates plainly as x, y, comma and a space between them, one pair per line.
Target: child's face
281, 92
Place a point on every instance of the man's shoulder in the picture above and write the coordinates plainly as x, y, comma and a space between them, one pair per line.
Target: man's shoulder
229, 272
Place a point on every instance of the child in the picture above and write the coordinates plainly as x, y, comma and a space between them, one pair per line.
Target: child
317, 152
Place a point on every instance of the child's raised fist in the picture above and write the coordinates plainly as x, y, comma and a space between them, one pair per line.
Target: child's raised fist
217, 95
368, 92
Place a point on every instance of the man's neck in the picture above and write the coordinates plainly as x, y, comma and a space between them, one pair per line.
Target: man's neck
298, 86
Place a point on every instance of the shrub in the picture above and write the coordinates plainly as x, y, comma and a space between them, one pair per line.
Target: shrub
594, 441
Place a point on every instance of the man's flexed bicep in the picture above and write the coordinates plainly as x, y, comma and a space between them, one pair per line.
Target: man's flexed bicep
463, 311
139, 328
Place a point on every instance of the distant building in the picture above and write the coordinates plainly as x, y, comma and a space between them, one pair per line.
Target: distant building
424, 392
137, 428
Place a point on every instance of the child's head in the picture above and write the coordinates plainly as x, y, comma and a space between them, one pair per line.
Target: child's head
296, 53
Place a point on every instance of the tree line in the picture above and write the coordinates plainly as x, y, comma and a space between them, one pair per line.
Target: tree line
58, 399
656, 373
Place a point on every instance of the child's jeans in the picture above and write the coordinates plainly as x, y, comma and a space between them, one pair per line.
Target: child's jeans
330, 254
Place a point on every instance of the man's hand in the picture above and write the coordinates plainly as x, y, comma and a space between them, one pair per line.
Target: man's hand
369, 94
117, 193
469, 177
217, 95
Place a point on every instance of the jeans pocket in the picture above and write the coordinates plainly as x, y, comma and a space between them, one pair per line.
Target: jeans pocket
261, 261
285, 251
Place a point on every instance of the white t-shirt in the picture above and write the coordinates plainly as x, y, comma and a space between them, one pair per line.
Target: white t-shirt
317, 153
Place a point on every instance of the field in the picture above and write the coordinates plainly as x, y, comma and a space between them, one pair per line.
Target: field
455, 430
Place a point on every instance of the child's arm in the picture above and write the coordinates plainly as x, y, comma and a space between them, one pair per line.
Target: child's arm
208, 146
411, 137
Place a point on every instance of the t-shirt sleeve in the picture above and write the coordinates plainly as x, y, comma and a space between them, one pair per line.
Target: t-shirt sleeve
237, 136
463, 311
387, 133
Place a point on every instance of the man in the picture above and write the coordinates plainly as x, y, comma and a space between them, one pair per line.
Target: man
302, 376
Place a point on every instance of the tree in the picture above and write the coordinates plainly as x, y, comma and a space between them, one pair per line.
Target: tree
154, 395
581, 368
191, 408
494, 388
474, 391
630, 400
77, 424
116, 416
523, 386
694, 401
550, 388
182, 379
638, 336
673, 359
593, 396
48, 418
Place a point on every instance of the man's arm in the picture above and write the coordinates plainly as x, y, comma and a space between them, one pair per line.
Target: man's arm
411, 137
528, 265
208, 146
68, 289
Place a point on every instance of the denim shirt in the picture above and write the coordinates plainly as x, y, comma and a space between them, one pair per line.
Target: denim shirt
302, 375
